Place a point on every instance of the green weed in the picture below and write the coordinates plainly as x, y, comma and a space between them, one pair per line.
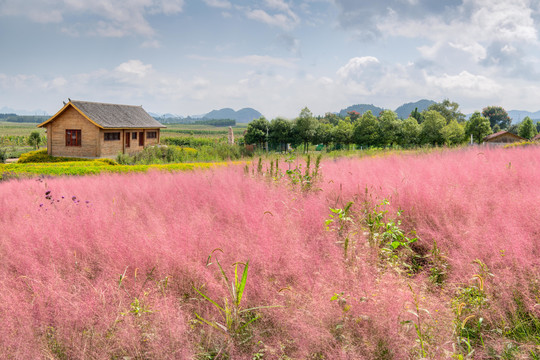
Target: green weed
233, 318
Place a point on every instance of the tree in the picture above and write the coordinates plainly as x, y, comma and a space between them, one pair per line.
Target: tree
417, 115
497, 116
323, 134
453, 133
410, 132
34, 139
306, 126
332, 118
354, 115
527, 129
431, 128
449, 110
366, 131
257, 131
389, 128
477, 126
279, 133
343, 133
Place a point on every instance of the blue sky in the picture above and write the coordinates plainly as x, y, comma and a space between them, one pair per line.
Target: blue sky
189, 57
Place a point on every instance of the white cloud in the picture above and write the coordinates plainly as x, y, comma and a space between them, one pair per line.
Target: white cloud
222, 4
279, 14
279, 20
134, 67
465, 83
116, 18
355, 69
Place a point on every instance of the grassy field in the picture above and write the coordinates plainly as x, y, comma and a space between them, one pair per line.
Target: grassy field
18, 129
405, 256
175, 130
27, 170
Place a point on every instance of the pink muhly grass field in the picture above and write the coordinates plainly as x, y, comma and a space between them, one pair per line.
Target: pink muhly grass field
105, 266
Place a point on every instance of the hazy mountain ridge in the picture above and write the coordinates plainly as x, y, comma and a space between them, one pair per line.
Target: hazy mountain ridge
246, 115
361, 108
517, 116
402, 111
405, 110
242, 115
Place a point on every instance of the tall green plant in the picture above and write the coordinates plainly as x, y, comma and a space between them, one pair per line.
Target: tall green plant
233, 318
341, 220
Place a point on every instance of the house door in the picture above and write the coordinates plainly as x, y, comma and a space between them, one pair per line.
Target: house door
128, 137
141, 139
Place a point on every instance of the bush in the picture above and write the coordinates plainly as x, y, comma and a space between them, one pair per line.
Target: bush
189, 141
3, 155
176, 154
40, 156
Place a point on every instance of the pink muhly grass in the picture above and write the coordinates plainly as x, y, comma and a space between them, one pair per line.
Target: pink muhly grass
106, 266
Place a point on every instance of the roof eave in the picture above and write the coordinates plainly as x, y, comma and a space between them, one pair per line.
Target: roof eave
63, 109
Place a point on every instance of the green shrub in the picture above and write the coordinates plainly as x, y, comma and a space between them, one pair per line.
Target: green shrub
3, 156
40, 156
190, 141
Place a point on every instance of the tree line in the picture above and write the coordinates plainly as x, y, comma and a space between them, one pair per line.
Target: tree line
440, 124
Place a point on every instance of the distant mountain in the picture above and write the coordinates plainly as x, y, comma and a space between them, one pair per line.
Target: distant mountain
7, 110
244, 115
517, 116
361, 109
405, 110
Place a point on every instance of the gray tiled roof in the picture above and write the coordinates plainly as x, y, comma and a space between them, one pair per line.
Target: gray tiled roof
117, 116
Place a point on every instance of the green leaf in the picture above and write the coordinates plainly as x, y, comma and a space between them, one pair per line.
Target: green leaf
242, 284
395, 244
208, 299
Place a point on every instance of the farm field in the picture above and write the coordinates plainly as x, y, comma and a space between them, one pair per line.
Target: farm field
178, 130
18, 129
398, 257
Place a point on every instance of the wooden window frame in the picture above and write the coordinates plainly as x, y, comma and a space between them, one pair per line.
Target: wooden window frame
151, 135
111, 136
134, 135
69, 137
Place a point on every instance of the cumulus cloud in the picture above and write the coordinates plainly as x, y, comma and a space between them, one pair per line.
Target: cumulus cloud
134, 67
116, 18
471, 34
365, 71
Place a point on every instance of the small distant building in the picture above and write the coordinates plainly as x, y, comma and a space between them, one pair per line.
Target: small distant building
91, 129
502, 138
536, 138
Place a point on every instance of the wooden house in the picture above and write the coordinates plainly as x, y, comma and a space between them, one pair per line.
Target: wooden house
91, 129
502, 138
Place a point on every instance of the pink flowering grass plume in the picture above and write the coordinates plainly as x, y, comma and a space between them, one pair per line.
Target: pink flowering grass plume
109, 266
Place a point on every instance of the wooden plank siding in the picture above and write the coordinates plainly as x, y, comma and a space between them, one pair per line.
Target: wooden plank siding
72, 119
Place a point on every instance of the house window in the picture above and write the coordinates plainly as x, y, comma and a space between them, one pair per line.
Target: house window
73, 137
134, 136
110, 136
151, 135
